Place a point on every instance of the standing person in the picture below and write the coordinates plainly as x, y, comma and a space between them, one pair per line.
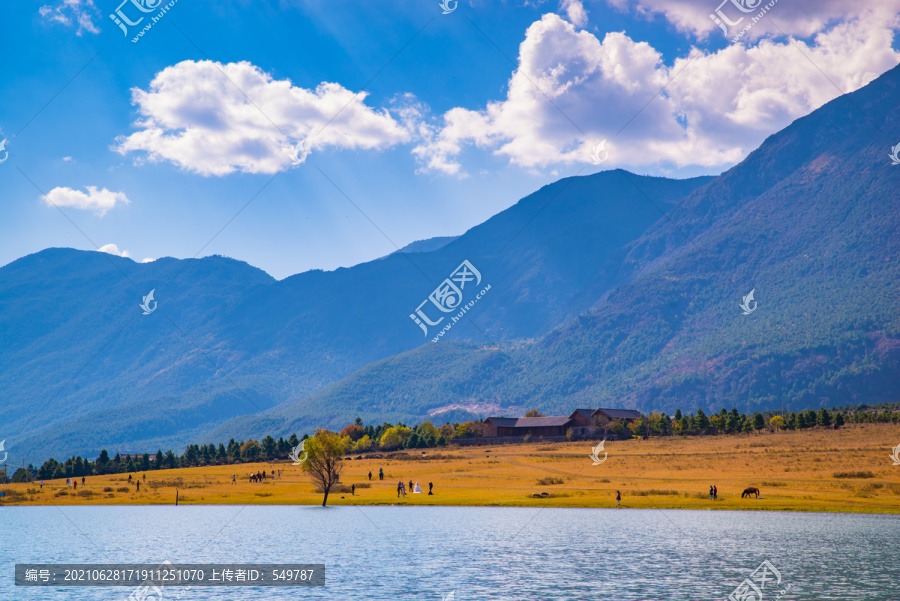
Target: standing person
75, 485
710, 492
430, 485
352, 489
145, 477
42, 484
618, 499
82, 480
138, 482
715, 492
380, 474
370, 475
233, 479
399, 486
279, 474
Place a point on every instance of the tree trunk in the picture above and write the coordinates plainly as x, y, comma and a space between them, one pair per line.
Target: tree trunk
325, 500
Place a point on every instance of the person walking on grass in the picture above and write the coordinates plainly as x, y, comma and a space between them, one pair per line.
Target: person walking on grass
430, 485
715, 493
380, 474
399, 488
352, 489
233, 479
82, 480
370, 475
618, 499
710, 492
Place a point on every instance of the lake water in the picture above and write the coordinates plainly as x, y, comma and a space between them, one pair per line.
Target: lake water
480, 553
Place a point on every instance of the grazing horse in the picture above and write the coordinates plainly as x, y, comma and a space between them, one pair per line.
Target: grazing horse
750, 490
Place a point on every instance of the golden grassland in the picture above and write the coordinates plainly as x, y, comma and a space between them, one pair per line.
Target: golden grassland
848, 470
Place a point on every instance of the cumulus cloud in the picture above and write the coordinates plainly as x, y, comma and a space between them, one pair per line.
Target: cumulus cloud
802, 18
216, 119
112, 249
98, 200
69, 12
148, 260
571, 90
574, 11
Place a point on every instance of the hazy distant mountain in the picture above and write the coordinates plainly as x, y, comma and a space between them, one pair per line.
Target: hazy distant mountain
809, 222
82, 367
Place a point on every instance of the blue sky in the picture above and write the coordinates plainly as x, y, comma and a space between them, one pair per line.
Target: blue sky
421, 123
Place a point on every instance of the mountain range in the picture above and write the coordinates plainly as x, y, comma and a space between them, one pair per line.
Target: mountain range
612, 289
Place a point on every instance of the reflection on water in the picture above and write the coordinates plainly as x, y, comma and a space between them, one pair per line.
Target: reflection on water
481, 553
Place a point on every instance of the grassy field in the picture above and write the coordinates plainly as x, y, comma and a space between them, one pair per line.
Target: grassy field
820, 470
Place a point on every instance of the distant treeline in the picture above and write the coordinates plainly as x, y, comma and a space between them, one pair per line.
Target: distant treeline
386, 437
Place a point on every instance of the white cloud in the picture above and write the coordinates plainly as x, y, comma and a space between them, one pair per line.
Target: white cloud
97, 200
67, 12
575, 12
194, 117
112, 249
802, 18
148, 260
711, 114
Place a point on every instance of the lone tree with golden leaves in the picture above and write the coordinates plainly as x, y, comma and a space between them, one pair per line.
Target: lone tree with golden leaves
323, 460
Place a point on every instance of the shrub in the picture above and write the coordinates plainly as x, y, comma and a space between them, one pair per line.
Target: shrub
859, 474
550, 480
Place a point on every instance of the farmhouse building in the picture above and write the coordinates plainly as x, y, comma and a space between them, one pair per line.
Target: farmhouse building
611, 414
580, 422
